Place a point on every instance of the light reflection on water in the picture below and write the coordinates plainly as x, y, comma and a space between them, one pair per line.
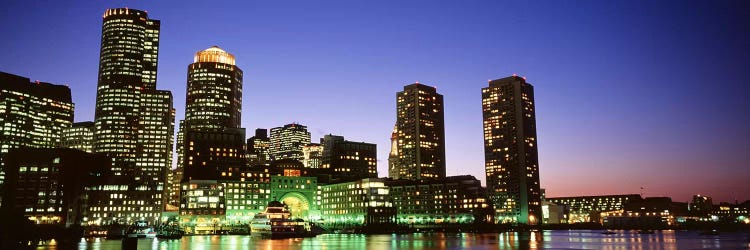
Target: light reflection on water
559, 239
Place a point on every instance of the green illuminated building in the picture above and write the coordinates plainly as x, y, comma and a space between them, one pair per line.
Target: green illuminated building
440, 202
365, 202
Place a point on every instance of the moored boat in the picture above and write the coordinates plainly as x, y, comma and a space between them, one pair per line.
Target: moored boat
275, 222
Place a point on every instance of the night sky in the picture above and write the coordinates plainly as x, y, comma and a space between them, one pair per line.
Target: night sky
629, 94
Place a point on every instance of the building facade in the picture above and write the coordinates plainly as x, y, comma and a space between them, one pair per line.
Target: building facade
287, 142
79, 136
312, 155
133, 120
587, 208
510, 150
214, 91
348, 160
257, 148
421, 133
437, 202
32, 114
365, 202
48, 185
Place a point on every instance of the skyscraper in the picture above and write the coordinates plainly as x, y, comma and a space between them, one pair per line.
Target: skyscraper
510, 150
214, 91
287, 142
133, 121
421, 133
32, 114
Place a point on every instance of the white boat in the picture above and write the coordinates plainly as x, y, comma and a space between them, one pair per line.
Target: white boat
275, 222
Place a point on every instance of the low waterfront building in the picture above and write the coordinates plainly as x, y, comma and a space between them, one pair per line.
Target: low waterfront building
49, 186
365, 202
588, 208
434, 202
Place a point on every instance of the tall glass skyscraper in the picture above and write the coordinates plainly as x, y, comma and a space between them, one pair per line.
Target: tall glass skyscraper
510, 150
421, 134
134, 122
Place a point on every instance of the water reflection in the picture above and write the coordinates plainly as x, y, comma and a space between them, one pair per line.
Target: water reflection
580, 239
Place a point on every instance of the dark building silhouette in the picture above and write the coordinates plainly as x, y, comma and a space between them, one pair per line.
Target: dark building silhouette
32, 114
701, 205
257, 148
133, 121
510, 150
49, 186
348, 160
421, 134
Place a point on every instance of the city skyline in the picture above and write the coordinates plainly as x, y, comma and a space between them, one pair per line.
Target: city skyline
559, 162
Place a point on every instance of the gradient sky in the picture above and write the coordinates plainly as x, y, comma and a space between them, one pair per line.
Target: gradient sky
629, 94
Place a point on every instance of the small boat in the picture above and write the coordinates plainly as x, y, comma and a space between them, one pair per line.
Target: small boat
608, 232
275, 222
170, 234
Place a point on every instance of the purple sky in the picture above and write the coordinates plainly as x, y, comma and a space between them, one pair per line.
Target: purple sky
629, 94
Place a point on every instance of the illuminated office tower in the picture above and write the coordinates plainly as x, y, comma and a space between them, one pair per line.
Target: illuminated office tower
133, 121
79, 136
32, 114
287, 142
348, 160
257, 148
214, 91
510, 150
312, 154
421, 133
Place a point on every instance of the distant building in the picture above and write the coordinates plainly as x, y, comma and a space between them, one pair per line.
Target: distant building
588, 208
648, 213
32, 114
49, 186
701, 205
312, 154
737, 213
287, 142
347, 160
258, 148
421, 134
510, 150
79, 136
435, 202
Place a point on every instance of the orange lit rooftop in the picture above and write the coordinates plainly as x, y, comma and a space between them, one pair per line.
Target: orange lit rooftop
214, 54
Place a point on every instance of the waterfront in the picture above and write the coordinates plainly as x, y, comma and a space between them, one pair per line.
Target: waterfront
556, 239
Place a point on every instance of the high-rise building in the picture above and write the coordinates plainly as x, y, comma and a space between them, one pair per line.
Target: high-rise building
32, 114
287, 142
79, 136
133, 121
214, 91
510, 150
257, 148
421, 133
313, 153
348, 160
